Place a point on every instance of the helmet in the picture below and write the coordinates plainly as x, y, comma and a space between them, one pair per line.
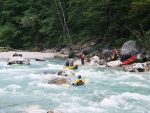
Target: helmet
71, 59
79, 76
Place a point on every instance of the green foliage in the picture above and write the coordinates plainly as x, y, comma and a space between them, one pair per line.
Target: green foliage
40, 23
71, 54
119, 42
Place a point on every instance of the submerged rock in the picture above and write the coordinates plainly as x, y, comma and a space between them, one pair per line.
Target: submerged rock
54, 111
66, 73
59, 81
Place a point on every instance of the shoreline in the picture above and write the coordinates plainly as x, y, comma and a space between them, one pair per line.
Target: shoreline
38, 55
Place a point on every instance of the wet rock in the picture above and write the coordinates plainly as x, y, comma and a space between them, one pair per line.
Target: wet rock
93, 43
66, 73
40, 59
65, 51
54, 111
115, 63
137, 67
59, 81
94, 60
18, 60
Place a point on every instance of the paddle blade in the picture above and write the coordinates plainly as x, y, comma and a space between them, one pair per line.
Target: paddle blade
68, 85
87, 79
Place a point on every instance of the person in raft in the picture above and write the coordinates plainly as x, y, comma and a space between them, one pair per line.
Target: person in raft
67, 62
82, 56
79, 81
71, 62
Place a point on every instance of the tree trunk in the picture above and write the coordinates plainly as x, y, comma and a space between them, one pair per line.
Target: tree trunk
65, 22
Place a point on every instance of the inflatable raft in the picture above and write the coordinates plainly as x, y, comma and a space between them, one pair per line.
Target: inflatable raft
71, 67
128, 61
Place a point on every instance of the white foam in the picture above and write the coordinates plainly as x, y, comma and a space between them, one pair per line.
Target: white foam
2, 91
136, 96
116, 100
35, 76
32, 83
14, 86
112, 101
79, 109
34, 109
55, 66
42, 85
20, 77
134, 84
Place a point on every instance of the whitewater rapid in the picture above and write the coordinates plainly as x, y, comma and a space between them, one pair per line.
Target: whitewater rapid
109, 90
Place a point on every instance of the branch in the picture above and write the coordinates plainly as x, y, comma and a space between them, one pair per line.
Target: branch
142, 30
134, 34
65, 22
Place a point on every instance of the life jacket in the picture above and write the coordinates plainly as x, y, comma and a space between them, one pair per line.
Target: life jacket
80, 82
82, 56
115, 51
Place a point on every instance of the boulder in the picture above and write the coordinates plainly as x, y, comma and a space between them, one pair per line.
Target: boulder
66, 73
54, 111
65, 51
137, 67
59, 81
94, 60
130, 47
39, 59
148, 55
32, 109
115, 63
18, 60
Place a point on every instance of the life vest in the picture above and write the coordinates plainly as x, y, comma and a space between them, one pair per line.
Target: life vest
80, 82
82, 56
115, 51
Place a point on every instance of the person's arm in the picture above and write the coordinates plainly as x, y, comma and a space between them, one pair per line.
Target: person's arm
75, 83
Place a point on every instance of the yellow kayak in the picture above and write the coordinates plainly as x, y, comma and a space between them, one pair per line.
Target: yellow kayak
71, 67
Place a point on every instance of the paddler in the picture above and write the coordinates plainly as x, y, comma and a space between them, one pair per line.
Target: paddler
79, 81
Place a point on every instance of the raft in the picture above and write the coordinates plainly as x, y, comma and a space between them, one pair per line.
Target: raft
71, 67
128, 61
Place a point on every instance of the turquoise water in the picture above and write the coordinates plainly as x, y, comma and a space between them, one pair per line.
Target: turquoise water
109, 90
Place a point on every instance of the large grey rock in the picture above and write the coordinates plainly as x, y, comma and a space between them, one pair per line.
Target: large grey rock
148, 54
115, 63
65, 51
94, 60
18, 60
66, 73
59, 81
137, 67
54, 111
130, 47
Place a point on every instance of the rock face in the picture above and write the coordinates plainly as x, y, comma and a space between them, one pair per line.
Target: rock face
59, 81
18, 60
137, 67
130, 47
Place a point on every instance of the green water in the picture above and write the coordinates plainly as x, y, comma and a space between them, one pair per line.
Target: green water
109, 90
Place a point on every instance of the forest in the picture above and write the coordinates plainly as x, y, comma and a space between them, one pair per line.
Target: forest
28, 24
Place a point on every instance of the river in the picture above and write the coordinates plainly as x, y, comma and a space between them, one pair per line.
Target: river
108, 90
